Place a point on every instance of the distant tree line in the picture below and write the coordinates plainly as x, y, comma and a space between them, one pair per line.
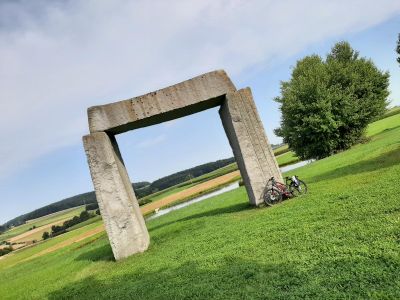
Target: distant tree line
60, 229
5, 250
141, 189
179, 177
92, 206
67, 203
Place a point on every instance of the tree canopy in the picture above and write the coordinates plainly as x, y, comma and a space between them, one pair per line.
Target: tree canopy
398, 49
327, 104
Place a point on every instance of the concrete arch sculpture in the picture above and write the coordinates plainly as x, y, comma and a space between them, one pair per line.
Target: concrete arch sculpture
123, 220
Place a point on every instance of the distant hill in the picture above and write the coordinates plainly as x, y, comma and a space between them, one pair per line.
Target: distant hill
182, 176
142, 189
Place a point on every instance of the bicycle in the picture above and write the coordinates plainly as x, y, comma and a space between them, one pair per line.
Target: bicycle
276, 191
296, 186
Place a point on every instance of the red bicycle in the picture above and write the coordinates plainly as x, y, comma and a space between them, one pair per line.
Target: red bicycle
276, 191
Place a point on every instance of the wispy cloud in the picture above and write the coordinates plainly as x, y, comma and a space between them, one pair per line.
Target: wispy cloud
151, 142
171, 123
59, 57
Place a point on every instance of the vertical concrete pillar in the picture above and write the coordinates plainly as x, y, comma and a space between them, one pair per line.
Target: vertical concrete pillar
119, 208
249, 143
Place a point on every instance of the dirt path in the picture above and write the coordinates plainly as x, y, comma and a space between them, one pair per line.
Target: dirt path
70, 241
25, 236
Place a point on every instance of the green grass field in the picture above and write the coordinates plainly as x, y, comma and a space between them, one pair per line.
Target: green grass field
287, 158
66, 214
391, 112
189, 183
385, 124
342, 240
281, 150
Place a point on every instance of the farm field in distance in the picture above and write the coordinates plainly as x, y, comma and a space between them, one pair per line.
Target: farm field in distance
190, 183
34, 229
284, 157
339, 241
45, 222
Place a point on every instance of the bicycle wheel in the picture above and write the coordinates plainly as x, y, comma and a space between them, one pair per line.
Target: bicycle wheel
298, 189
272, 196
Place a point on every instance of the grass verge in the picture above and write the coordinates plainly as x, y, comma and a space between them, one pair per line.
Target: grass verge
340, 241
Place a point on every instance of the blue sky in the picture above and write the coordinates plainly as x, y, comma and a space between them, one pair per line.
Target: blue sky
59, 57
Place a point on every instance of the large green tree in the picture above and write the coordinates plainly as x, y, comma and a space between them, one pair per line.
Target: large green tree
327, 104
398, 49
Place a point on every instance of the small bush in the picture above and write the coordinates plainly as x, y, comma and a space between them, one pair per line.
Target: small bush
143, 201
5, 250
84, 216
92, 206
45, 235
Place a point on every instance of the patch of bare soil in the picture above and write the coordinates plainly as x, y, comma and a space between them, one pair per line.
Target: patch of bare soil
70, 241
28, 236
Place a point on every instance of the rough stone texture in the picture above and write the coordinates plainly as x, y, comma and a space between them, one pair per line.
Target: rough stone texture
125, 226
119, 208
182, 99
249, 143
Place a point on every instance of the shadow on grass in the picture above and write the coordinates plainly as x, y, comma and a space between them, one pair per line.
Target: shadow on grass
209, 213
102, 253
385, 160
236, 278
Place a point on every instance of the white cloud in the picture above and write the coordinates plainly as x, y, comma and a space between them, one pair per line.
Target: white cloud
151, 142
59, 57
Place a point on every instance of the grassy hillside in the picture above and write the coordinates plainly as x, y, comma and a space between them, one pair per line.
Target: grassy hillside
281, 150
287, 158
384, 124
339, 241
391, 112
192, 182
142, 189
50, 219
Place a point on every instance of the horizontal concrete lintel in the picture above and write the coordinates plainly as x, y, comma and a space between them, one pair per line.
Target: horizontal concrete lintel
185, 98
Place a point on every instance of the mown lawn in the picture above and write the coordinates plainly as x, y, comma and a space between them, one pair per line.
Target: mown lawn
384, 124
342, 240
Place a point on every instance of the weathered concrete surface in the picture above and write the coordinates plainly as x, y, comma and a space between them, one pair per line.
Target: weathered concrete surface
119, 208
182, 99
124, 223
249, 143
